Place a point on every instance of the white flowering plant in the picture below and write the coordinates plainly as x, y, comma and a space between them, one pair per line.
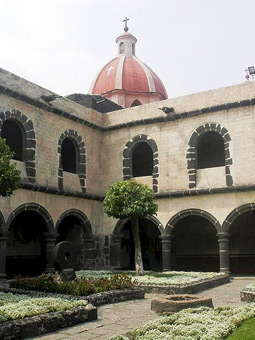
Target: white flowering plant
155, 278
194, 324
250, 287
20, 306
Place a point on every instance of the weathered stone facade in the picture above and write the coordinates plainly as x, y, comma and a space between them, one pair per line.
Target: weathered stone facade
201, 210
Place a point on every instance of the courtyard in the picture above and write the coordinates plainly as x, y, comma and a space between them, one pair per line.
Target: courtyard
123, 317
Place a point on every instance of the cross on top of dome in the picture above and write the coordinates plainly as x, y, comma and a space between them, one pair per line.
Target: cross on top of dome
125, 20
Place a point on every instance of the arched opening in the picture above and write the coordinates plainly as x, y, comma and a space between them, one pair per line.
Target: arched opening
150, 245
242, 244
70, 229
136, 103
142, 160
122, 48
25, 253
14, 136
69, 155
210, 150
133, 49
195, 245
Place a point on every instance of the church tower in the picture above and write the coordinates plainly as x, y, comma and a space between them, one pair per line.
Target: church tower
126, 80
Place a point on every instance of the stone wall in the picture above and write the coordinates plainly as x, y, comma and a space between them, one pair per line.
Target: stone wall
102, 139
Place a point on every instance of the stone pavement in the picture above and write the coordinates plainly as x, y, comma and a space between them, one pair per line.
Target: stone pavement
119, 318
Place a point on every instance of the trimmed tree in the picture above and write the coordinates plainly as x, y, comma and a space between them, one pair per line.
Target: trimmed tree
9, 174
130, 199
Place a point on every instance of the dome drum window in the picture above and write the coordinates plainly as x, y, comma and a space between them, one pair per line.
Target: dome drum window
122, 48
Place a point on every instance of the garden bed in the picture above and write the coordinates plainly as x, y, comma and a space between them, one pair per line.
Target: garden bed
248, 293
189, 288
46, 323
23, 316
193, 324
172, 282
98, 299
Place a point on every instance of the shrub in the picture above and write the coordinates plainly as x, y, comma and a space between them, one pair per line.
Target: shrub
81, 286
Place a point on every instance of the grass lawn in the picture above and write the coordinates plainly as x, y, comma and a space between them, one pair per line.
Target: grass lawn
245, 332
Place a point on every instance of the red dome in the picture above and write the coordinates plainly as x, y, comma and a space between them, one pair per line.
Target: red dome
127, 73
126, 80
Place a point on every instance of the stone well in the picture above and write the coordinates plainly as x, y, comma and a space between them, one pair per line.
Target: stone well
175, 303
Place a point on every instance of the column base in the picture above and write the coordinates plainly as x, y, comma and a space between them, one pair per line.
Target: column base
50, 270
4, 283
225, 270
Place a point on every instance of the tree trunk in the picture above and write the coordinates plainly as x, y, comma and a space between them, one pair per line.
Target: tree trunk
138, 253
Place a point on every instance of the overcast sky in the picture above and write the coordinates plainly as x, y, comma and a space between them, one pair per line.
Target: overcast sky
193, 45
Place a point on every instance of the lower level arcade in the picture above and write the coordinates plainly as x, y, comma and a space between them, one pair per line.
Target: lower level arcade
193, 240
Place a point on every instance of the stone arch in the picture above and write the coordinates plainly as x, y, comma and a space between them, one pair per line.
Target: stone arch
121, 223
83, 219
192, 151
74, 226
36, 208
136, 102
29, 137
122, 244
127, 158
235, 213
239, 229
31, 238
193, 234
188, 212
81, 166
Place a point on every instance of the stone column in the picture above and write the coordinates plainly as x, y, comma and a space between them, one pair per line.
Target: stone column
223, 239
50, 242
166, 252
3, 239
89, 252
115, 251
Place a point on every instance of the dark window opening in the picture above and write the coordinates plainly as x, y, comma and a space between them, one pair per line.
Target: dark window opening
69, 156
122, 48
136, 103
142, 160
133, 49
12, 132
210, 151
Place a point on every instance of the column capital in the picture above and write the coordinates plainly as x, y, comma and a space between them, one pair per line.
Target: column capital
223, 235
50, 236
117, 237
4, 235
87, 237
165, 237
